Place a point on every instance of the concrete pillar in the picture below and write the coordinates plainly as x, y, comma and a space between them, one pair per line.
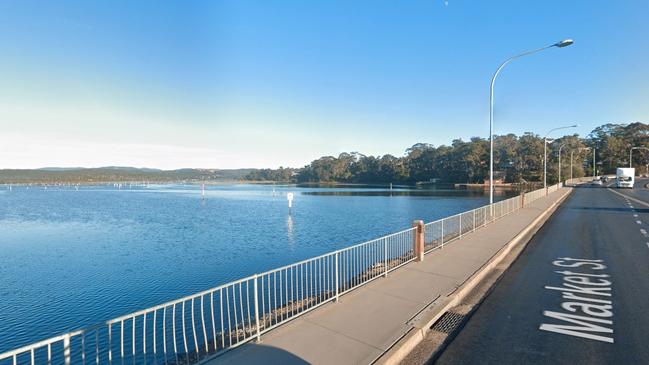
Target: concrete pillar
418, 242
523, 200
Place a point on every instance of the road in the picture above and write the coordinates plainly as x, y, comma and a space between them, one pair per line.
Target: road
555, 307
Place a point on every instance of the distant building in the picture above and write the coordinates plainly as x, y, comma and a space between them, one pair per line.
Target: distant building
499, 178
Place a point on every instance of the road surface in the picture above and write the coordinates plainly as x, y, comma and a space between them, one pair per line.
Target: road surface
578, 294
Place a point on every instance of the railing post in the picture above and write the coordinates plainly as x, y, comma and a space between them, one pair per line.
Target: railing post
491, 213
336, 269
474, 220
257, 311
66, 349
442, 224
484, 217
418, 241
460, 225
385, 257
523, 200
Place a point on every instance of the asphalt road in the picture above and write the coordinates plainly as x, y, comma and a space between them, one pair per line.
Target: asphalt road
593, 224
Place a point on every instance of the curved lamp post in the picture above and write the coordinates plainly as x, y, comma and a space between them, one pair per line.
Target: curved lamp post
631, 153
545, 151
571, 152
563, 43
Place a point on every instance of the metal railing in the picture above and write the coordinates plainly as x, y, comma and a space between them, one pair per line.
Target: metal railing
215, 320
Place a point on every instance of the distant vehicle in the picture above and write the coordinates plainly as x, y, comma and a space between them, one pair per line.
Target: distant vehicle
625, 177
604, 178
596, 181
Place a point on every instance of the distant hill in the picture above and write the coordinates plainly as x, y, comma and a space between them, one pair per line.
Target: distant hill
116, 174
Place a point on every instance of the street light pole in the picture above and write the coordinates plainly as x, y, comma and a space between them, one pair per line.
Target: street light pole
631, 153
545, 152
571, 177
594, 149
560, 147
563, 43
571, 152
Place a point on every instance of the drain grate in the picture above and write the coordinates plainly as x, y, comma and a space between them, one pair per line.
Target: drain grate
448, 323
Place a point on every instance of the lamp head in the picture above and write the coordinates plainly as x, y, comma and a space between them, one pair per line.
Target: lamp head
564, 43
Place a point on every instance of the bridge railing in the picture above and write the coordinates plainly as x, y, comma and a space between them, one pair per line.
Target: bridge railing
443, 231
224, 317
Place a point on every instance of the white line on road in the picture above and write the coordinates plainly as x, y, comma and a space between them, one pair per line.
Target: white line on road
635, 216
639, 222
625, 197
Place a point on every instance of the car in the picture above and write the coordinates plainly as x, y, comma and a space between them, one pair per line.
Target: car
596, 182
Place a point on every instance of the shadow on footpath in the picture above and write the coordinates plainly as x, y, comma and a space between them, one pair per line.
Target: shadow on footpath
253, 353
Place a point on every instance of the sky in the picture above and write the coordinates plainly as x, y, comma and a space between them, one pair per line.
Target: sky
234, 84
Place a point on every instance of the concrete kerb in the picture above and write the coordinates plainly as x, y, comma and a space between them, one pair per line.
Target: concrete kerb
425, 320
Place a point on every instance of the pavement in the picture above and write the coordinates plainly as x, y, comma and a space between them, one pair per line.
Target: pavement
552, 307
368, 321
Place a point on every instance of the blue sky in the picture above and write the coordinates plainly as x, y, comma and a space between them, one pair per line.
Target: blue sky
224, 84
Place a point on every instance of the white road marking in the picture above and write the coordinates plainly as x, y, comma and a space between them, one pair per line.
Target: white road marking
592, 318
639, 222
635, 215
644, 233
630, 198
647, 244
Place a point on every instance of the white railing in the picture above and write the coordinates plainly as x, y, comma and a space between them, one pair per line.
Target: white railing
443, 231
224, 317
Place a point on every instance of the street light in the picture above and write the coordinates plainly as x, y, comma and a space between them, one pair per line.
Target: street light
571, 152
594, 164
545, 151
560, 147
631, 152
561, 44
594, 150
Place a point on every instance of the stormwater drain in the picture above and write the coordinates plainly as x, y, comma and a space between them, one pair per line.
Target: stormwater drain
449, 322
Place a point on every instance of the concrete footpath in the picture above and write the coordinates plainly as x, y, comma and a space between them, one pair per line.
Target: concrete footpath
367, 322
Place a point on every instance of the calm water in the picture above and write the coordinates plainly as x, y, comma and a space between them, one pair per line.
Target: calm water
72, 258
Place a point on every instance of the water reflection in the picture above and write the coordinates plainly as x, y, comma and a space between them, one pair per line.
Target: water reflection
289, 229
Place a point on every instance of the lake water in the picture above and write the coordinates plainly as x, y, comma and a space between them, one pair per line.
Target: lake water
71, 258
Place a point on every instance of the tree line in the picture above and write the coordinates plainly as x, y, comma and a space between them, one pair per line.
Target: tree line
517, 159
